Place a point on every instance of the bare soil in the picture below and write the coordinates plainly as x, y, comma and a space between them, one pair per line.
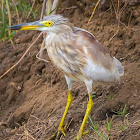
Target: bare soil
33, 95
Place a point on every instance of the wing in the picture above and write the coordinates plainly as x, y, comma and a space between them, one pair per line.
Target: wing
93, 49
100, 65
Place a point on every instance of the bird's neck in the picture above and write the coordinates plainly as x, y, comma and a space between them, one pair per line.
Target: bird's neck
60, 37
57, 44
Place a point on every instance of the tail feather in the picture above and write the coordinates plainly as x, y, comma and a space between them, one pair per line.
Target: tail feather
119, 66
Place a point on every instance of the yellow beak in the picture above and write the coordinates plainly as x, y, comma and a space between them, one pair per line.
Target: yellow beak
27, 26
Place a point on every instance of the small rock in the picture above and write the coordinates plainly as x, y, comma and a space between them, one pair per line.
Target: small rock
8, 130
139, 111
17, 41
132, 107
15, 86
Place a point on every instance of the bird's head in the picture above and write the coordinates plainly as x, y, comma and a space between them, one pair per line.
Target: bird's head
53, 23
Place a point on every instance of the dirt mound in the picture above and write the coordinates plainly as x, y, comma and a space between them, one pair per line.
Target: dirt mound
33, 95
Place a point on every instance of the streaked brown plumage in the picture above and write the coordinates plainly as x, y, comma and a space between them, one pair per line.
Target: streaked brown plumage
78, 55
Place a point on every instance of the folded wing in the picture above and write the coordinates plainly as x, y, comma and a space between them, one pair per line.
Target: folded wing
100, 65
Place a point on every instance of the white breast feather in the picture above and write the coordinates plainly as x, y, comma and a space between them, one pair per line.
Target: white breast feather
99, 73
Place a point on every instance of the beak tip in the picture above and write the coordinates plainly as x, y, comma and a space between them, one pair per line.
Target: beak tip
16, 27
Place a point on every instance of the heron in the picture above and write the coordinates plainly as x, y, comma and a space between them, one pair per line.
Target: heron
79, 55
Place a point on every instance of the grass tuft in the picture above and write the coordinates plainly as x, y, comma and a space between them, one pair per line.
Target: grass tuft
121, 113
101, 134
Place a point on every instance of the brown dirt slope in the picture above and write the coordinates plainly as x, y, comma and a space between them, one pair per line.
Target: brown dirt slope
33, 95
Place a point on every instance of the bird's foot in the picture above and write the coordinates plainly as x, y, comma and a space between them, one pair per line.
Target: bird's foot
79, 135
58, 134
61, 131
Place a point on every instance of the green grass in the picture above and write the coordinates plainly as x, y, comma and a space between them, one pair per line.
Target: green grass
105, 131
108, 124
3, 21
4, 25
121, 112
24, 9
122, 128
102, 135
7, 14
109, 97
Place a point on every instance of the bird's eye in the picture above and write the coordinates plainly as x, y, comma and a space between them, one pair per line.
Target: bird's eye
47, 23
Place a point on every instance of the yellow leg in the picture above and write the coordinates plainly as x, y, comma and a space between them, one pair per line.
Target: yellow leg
89, 107
61, 129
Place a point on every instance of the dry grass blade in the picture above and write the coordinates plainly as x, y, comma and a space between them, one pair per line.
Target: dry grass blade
137, 123
54, 6
9, 13
48, 6
39, 54
118, 16
9, 16
93, 11
118, 7
116, 12
21, 57
26, 133
16, 10
43, 7
31, 9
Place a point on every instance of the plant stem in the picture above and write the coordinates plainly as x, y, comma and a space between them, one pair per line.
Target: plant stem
31, 9
9, 17
43, 7
54, 6
9, 13
48, 7
93, 11
2, 5
16, 11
